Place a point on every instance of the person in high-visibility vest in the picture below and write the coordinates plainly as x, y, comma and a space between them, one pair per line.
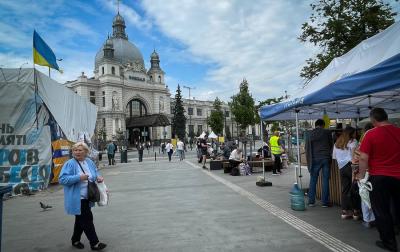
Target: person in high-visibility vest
277, 149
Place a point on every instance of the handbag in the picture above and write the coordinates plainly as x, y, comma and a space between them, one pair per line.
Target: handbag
93, 190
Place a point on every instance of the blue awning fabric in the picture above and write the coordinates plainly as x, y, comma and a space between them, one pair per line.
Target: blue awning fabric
367, 76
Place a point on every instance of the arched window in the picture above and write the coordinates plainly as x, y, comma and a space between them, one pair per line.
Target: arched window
102, 70
113, 70
136, 108
159, 79
151, 78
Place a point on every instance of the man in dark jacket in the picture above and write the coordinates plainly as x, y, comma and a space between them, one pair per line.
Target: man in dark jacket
319, 154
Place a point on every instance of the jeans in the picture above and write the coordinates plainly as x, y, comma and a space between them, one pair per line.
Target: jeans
180, 154
317, 165
170, 155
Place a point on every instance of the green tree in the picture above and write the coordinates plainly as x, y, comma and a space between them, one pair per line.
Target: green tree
337, 26
242, 107
216, 118
179, 119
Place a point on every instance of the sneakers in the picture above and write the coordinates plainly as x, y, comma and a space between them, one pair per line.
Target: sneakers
275, 174
311, 204
326, 205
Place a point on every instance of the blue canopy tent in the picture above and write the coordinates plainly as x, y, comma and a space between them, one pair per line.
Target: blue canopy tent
367, 76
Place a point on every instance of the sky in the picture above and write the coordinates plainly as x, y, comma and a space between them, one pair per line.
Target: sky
208, 45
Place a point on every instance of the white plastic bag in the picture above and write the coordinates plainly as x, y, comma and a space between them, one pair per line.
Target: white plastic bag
104, 195
364, 187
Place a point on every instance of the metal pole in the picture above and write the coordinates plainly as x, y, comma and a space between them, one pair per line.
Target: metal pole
298, 145
262, 149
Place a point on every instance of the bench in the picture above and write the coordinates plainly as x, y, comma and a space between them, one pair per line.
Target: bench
268, 163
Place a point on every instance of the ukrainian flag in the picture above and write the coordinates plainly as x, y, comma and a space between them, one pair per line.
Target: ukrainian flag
42, 53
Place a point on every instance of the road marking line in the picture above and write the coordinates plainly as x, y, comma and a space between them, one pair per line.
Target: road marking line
314, 233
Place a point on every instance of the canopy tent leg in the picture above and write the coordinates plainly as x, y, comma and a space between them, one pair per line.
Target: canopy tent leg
298, 148
264, 182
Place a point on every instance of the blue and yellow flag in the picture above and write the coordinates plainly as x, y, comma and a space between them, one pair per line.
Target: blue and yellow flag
42, 53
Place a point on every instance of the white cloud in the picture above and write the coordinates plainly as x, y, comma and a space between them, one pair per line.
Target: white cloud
17, 39
12, 60
256, 40
77, 27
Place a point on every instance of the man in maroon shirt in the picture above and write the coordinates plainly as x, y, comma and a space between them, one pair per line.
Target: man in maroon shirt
380, 155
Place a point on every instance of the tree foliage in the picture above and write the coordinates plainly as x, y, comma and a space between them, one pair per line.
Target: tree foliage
179, 119
216, 119
336, 26
242, 106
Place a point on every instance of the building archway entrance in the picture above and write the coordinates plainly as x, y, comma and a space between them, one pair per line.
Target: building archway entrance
139, 124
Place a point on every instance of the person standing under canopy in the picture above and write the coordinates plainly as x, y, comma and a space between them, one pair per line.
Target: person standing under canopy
380, 155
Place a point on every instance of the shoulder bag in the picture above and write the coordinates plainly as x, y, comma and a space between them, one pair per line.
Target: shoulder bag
93, 190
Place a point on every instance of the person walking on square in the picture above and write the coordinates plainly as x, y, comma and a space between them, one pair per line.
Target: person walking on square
140, 149
169, 148
180, 149
343, 153
74, 176
318, 153
277, 148
380, 155
111, 153
203, 148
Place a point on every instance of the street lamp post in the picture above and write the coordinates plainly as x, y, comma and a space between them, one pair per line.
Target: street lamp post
190, 116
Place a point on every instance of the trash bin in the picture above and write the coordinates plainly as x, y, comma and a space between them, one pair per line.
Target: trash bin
3, 190
124, 156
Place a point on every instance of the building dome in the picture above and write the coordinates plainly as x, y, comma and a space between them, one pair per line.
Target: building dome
124, 52
154, 55
118, 19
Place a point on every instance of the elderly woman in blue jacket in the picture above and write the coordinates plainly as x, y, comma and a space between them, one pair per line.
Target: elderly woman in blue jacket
74, 176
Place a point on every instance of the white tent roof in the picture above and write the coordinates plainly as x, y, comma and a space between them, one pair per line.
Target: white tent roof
367, 76
73, 113
212, 135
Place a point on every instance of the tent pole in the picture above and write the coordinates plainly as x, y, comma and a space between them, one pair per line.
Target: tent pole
262, 149
298, 145
36, 93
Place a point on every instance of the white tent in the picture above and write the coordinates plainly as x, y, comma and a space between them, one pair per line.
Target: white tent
26, 120
212, 135
202, 135
367, 76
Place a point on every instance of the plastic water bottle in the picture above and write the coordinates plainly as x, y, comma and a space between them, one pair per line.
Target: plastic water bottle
297, 198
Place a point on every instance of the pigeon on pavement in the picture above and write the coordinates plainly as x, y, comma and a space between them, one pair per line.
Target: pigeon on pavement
44, 207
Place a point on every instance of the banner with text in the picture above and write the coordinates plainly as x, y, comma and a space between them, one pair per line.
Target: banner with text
25, 143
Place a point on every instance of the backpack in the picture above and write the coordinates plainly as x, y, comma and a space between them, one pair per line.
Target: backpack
235, 171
